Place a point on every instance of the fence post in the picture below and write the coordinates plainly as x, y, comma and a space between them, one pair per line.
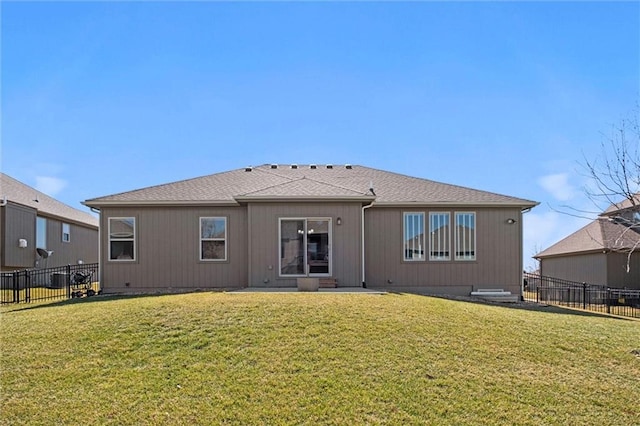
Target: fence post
584, 295
16, 286
68, 281
608, 300
27, 286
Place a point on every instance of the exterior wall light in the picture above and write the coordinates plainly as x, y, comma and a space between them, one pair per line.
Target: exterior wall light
22, 243
339, 221
511, 221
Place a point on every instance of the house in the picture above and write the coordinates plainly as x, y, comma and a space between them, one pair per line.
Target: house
39, 231
349, 225
605, 251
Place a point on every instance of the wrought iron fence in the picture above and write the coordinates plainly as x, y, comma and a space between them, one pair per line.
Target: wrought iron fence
599, 298
64, 282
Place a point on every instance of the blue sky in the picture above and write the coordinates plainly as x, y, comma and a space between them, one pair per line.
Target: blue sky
508, 97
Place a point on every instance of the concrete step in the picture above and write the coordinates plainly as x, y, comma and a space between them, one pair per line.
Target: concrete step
328, 283
495, 295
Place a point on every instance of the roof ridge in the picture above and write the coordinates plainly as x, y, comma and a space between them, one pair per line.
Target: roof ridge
289, 180
335, 186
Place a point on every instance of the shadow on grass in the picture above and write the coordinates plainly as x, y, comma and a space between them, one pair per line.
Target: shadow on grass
527, 306
101, 298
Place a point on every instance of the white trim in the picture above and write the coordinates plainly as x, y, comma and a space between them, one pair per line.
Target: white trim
421, 245
448, 237
133, 238
305, 261
225, 239
472, 238
68, 233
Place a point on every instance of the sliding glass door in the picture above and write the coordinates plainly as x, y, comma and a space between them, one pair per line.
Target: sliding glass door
305, 247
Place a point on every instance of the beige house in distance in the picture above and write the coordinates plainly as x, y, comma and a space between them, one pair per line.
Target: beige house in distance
599, 253
350, 226
38, 231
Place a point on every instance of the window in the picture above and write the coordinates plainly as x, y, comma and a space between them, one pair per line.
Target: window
413, 236
305, 246
465, 238
122, 236
439, 236
66, 233
41, 232
213, 238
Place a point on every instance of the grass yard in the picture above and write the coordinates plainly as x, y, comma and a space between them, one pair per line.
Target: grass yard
301, 358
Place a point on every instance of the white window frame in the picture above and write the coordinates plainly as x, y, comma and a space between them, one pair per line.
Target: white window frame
123, 238
66, 233
225, 239
421, 241
447, 237
306, 220
463, 243
41, 232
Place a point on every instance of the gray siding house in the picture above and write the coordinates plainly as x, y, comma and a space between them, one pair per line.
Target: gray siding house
604, 252
350, 226
31, 220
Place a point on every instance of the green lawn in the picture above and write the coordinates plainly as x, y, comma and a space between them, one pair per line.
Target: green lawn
301, 358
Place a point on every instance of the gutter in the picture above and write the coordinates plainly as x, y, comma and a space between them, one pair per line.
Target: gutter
364, 284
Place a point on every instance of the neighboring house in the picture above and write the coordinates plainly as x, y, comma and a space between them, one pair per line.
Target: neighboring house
605, 252
31, 220
269, 225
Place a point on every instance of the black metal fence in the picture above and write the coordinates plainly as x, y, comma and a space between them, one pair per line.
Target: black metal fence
617, 301
64, 282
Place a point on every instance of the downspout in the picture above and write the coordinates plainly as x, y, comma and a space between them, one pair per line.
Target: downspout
364, 284
100, 263
4, 201
521, 231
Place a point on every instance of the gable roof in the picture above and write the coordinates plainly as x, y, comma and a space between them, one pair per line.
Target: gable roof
626, 204
309, 182
602, 234
20, 193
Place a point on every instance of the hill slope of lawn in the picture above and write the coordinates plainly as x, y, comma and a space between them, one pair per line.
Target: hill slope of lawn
251, 358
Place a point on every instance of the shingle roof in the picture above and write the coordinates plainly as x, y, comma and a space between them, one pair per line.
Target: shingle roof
625, 204
601, 234
20, 193
307, 182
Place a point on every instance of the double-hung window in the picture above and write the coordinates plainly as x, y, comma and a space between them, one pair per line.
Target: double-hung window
66, 233
122, 238
439, 236
465, 238
413, 236
213, 238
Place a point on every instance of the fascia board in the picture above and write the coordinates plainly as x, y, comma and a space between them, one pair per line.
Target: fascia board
155, 203
244, 199
453, 204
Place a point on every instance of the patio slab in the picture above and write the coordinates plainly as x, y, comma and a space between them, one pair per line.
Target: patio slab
346, 290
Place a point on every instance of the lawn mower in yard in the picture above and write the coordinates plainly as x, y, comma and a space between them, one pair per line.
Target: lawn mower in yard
81, 284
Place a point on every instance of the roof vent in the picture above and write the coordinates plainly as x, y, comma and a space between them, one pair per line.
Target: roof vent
274, 166
313, 166
248, 169
294, 166
348, 166
329, 166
